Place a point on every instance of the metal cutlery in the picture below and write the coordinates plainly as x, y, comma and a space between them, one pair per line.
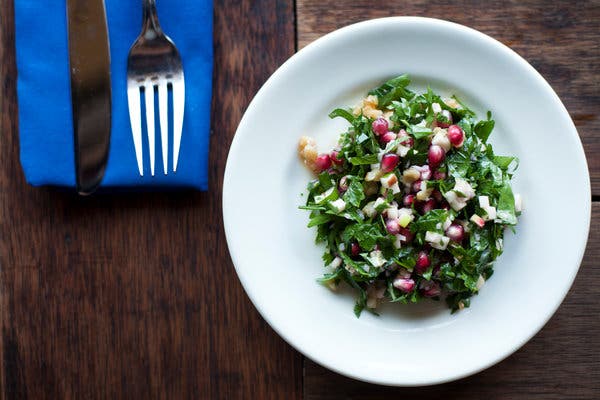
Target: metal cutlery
154, 64
89, 59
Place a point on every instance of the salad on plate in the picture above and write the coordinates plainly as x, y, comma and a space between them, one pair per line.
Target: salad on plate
413, 202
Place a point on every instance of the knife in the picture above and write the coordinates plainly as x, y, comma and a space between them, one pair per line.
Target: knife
89, 59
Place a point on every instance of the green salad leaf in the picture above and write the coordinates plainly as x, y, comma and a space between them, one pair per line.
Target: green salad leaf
384, 234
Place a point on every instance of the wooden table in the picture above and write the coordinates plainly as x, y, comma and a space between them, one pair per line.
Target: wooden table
135, 296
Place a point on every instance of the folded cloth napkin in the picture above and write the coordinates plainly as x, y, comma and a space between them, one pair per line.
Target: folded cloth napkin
43, 89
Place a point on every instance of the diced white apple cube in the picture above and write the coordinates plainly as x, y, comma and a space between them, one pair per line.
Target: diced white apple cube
392, 212
389, 180
436, 108
373, 175
410, 175
518, 202
490, 213
338, 205
320, 198
376, 258
440, 138
424, 194
369, 209
405, 217
335, 263
432, 236
437, 240
457, 203
484, 201
460, 195
398, 241
463, 187
379, 203
452, 103
480, 282
402, 151
447, 223
477, 220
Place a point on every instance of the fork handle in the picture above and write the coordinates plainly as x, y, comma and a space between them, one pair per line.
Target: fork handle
150, 17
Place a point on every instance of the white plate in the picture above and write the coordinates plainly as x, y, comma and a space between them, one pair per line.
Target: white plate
274, 253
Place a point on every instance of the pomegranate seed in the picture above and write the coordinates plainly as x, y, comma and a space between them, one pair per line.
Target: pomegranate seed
431, 289
389, 162
448, 116
425, 173
354, 249
429, 205
437, 195
407, 234
439, 175
380, 126
422, 263
387, 137
409, 142
416, 186
392, 226
408, 200
405, 285
435, 156
445, 206
335, 157
323, 162
456, 135
343, 185
456, 232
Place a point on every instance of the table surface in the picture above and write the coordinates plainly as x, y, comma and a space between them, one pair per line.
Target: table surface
135, 296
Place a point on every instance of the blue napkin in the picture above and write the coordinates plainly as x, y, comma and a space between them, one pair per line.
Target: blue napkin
43, 88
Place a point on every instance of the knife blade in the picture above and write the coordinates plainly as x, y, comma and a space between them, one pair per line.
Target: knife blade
89, 59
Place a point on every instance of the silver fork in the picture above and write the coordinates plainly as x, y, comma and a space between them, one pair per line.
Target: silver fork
154, 62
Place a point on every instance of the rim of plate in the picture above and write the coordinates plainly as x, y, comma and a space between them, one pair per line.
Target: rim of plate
364, 27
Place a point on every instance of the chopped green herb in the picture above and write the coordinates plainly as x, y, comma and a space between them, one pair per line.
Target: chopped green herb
384, 234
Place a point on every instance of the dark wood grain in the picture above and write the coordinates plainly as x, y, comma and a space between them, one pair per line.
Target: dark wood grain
561, 362
560, 39
135, 296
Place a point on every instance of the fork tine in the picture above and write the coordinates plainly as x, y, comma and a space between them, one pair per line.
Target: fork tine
133, 98
163, 113
149, 91
178, 106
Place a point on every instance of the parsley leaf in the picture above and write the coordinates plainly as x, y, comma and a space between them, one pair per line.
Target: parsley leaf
483, 129
506, 205
366, 234
364, 160
340, 112
355, 193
